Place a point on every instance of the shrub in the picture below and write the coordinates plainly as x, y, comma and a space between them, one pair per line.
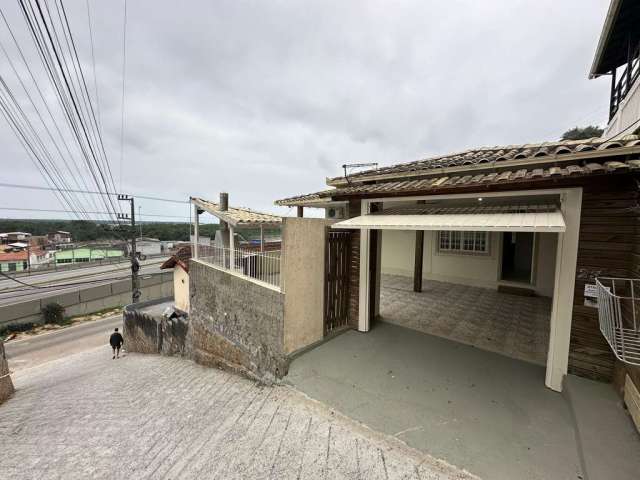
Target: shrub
6, 330
53, 313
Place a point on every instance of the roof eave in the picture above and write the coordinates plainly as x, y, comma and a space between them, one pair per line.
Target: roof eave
505, 164
612, 13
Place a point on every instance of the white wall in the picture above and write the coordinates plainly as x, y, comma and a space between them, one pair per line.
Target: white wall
398, 250
627, 114
181, 288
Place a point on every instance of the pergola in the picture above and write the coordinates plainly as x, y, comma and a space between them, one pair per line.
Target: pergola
233, 218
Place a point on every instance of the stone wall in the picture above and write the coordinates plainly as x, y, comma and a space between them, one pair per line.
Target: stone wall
236, 322
146, 330
6, 386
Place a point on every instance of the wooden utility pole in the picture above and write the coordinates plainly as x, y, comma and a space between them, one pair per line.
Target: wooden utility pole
135, 264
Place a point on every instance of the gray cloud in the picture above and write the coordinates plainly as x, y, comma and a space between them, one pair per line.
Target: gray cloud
266, 99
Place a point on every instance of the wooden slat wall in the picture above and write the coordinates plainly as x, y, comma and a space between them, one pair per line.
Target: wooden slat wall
621, 369
608, 238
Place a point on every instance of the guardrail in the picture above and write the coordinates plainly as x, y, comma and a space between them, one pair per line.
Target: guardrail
254, 264
618, 308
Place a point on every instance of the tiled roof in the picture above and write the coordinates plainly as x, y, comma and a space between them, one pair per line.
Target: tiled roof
565, 150
13, 256
181, 257
237, 216
469, 180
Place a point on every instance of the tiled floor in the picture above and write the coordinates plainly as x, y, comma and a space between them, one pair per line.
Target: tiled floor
512, 325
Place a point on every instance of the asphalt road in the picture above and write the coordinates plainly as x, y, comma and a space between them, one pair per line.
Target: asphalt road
52, 284
45, 347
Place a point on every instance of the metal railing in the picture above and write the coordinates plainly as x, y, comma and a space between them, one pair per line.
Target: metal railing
618, 307
251, 263
627, 78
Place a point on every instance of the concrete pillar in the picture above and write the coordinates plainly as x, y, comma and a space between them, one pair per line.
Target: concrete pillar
196, 232
300, 211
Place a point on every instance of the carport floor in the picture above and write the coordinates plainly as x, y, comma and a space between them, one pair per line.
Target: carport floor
475, 409
513, 325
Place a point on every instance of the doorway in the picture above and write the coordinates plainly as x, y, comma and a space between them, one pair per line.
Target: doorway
517, 257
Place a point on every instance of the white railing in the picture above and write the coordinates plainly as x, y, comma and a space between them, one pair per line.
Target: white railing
247, 262
618, 306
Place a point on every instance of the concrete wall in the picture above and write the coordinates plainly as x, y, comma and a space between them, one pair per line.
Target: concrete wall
88, 300
236, 322
181, 288
398, 250
304, 278
6, 386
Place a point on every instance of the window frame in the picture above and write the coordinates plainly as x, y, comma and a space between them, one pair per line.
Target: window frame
458, 241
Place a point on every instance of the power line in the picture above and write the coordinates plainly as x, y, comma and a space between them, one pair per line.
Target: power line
44, 124
93, 61
124, 71
144, 197
51, 210
47, 50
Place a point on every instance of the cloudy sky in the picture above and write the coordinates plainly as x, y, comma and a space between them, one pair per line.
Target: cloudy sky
266, 99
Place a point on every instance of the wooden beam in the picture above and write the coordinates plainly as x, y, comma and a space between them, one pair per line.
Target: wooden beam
417, 269
300, 211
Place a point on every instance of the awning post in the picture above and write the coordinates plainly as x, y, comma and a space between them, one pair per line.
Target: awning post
417, 268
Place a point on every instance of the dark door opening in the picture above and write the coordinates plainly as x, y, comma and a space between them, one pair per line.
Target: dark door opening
517, 256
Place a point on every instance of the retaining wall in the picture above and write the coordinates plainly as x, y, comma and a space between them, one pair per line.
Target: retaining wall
89, 299
147, 331
236, 322
6, 386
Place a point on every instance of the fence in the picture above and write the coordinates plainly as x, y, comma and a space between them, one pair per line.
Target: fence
618, 305
251, 263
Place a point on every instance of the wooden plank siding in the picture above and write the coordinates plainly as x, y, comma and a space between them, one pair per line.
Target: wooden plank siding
608, 238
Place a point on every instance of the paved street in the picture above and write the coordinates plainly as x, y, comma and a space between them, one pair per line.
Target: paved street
45, 347
152, 417
12, 292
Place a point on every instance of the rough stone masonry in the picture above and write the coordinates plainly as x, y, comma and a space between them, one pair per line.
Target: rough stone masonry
237, 321
6, 385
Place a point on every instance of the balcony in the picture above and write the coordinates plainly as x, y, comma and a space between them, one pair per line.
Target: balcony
620, 87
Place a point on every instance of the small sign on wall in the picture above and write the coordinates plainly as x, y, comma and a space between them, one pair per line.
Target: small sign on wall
591, 295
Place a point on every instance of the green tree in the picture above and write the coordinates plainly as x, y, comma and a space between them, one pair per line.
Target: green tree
581, 133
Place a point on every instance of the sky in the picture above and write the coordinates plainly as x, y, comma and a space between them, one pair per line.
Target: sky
266, 99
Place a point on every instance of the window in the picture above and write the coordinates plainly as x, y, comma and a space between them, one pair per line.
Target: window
463, 242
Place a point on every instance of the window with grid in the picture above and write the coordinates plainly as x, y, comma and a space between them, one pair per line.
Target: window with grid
463, 242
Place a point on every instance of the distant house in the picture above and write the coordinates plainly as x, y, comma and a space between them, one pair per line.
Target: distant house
86, 254
146, 246
11, 261
180, 264
11, 237
59, 236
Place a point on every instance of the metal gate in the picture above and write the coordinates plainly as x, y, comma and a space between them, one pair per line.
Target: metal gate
337, 271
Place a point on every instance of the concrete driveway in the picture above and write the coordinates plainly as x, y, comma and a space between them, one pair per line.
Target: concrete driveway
479, 410
151, 417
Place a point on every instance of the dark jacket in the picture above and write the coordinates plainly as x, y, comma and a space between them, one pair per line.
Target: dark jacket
116, 340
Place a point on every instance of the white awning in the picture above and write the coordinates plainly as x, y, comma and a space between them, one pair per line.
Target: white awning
485, 219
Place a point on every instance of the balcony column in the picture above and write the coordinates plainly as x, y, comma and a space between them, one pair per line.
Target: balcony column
196, 233
232, 249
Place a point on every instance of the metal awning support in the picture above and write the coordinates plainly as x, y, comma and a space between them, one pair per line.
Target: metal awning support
531, 218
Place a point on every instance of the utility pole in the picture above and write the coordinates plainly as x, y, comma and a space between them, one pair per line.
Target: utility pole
135, 264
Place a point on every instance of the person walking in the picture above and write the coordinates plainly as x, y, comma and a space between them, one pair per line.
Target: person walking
116, 342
